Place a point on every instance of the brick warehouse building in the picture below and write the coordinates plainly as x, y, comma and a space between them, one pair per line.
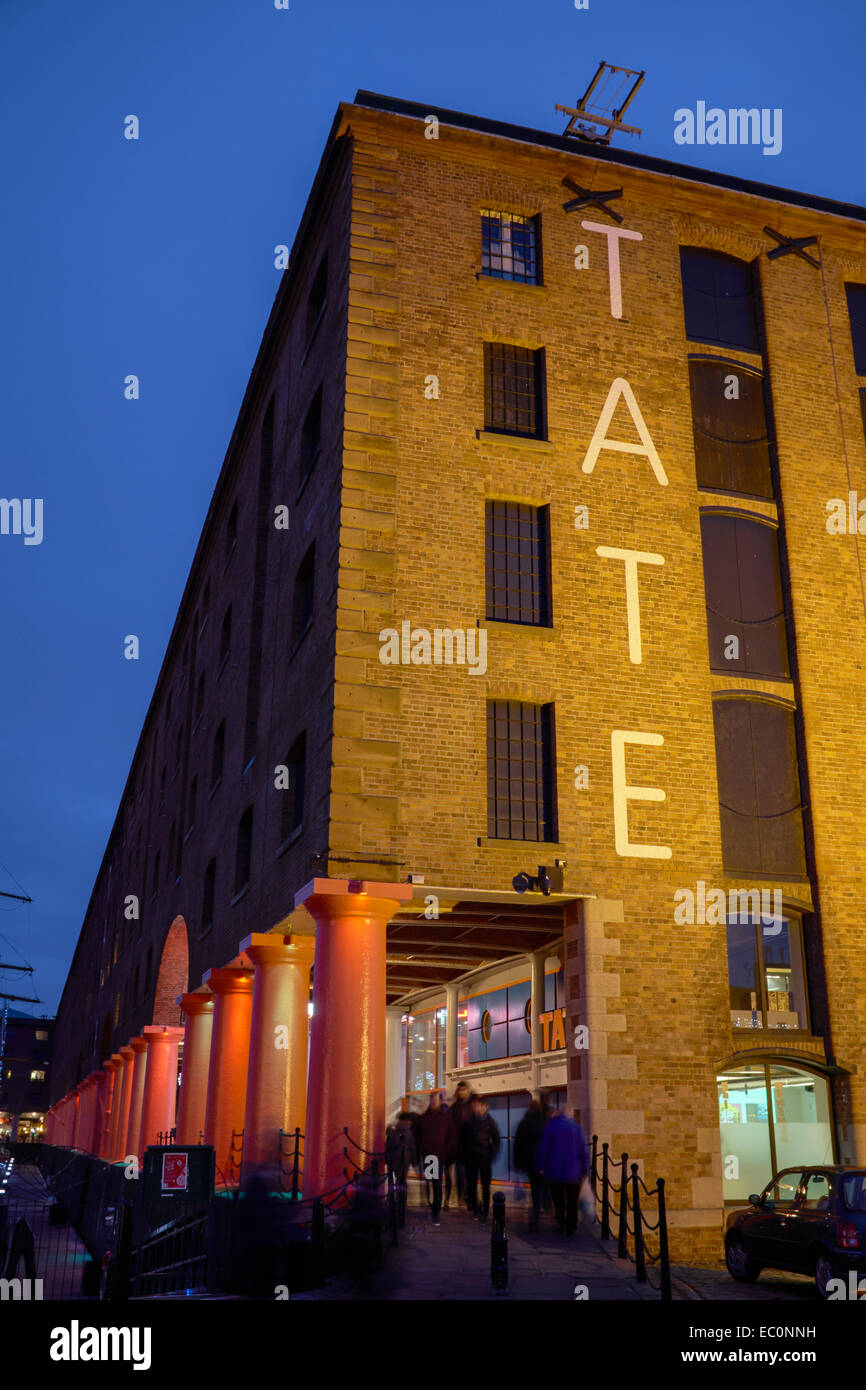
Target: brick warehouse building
610, 444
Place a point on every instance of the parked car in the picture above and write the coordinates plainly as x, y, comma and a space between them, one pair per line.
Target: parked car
811, 1220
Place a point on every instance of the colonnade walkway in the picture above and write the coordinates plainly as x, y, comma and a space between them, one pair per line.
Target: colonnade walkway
452, 1262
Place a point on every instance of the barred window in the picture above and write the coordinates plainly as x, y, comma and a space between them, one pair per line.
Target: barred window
719, 299
856, 296
244, 850
514, 390
745, 605
207, 898
732, 446
303, 596
863, 408
760, 803
518, 563
509, 247
521, 776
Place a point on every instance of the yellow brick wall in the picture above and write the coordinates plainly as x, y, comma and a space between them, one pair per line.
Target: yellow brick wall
409, 774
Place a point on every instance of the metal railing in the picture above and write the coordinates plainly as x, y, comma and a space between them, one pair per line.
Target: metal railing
628, 1192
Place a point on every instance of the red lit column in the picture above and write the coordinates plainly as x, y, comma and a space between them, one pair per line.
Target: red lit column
227, 1074
139, 1074
192, 1102
347, 1044
160, 1085
123, 1098
277, 1076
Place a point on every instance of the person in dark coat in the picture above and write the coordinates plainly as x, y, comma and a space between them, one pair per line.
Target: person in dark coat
460, 1110
481, 1142
526, 1142
437, 1147
400, 1155
562, 1159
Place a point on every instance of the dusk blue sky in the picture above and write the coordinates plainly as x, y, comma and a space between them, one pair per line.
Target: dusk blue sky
157, 257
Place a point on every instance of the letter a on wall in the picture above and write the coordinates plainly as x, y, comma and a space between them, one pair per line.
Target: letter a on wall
599, 441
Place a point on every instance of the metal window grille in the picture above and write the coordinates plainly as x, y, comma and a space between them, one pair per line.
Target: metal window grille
521, 794
509, 246
517, 558
514, 389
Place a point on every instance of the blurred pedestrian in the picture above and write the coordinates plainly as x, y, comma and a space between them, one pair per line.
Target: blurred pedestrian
401, 1154
460, 1110
437, 1147
481, 1142
526, 1145
563, 1160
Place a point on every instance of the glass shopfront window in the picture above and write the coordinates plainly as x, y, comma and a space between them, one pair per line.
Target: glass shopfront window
766, 976
496, 1024
423, 1047
770, 1117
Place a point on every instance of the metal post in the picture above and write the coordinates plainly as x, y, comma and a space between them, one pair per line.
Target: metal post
605, 1195
639, 1260
664, 1255
499, 1246
622, 1247
593, 1167
296, 1164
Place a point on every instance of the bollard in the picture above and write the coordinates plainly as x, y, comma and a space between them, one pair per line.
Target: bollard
499, 1246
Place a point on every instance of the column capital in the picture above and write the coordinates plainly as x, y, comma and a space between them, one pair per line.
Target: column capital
272, 948
194, 1004
229, 980
137, 1045
156, 1032
127, 1052
344, 897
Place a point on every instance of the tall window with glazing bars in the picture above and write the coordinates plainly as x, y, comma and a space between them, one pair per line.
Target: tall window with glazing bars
510, 248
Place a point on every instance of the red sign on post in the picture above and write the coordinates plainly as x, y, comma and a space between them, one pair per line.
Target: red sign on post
175, 1172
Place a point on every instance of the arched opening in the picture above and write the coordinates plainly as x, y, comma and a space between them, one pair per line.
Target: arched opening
104, 1040
172, 979
771, 1115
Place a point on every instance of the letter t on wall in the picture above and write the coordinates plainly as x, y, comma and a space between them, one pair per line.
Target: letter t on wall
613, 235
623, 794
632, 559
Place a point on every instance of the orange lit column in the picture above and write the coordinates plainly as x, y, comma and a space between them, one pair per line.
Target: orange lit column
77, 1100
227, 1074
160, 1085
97, 1116
136, 1098
347, 1044
85, 1114
122, 1098
48, 1128
110, 1093
277, 1076
192, 1102
119, 1067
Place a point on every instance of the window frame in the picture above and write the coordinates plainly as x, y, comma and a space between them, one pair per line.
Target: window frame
496, 351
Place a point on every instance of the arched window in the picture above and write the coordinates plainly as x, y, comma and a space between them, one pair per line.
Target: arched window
760, 804
293, 795
208, 897
243, 859
219, 753
771, 1116
226, 636
729, 420
719, 299
745, 606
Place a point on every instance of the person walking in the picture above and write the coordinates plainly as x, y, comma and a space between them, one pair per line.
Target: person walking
562, 1159
461, 1106
481, 1143
526, 1143
437, 1147
400, 1156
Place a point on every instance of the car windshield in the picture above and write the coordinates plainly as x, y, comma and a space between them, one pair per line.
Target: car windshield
854, 1191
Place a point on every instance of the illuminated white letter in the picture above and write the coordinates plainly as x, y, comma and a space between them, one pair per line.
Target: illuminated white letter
613, 234
623, 793
632, 559
599, 441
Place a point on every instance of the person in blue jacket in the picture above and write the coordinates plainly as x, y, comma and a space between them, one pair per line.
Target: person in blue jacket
563, 1160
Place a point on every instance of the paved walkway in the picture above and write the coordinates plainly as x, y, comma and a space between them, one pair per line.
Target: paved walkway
59, 1254
453, 1262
